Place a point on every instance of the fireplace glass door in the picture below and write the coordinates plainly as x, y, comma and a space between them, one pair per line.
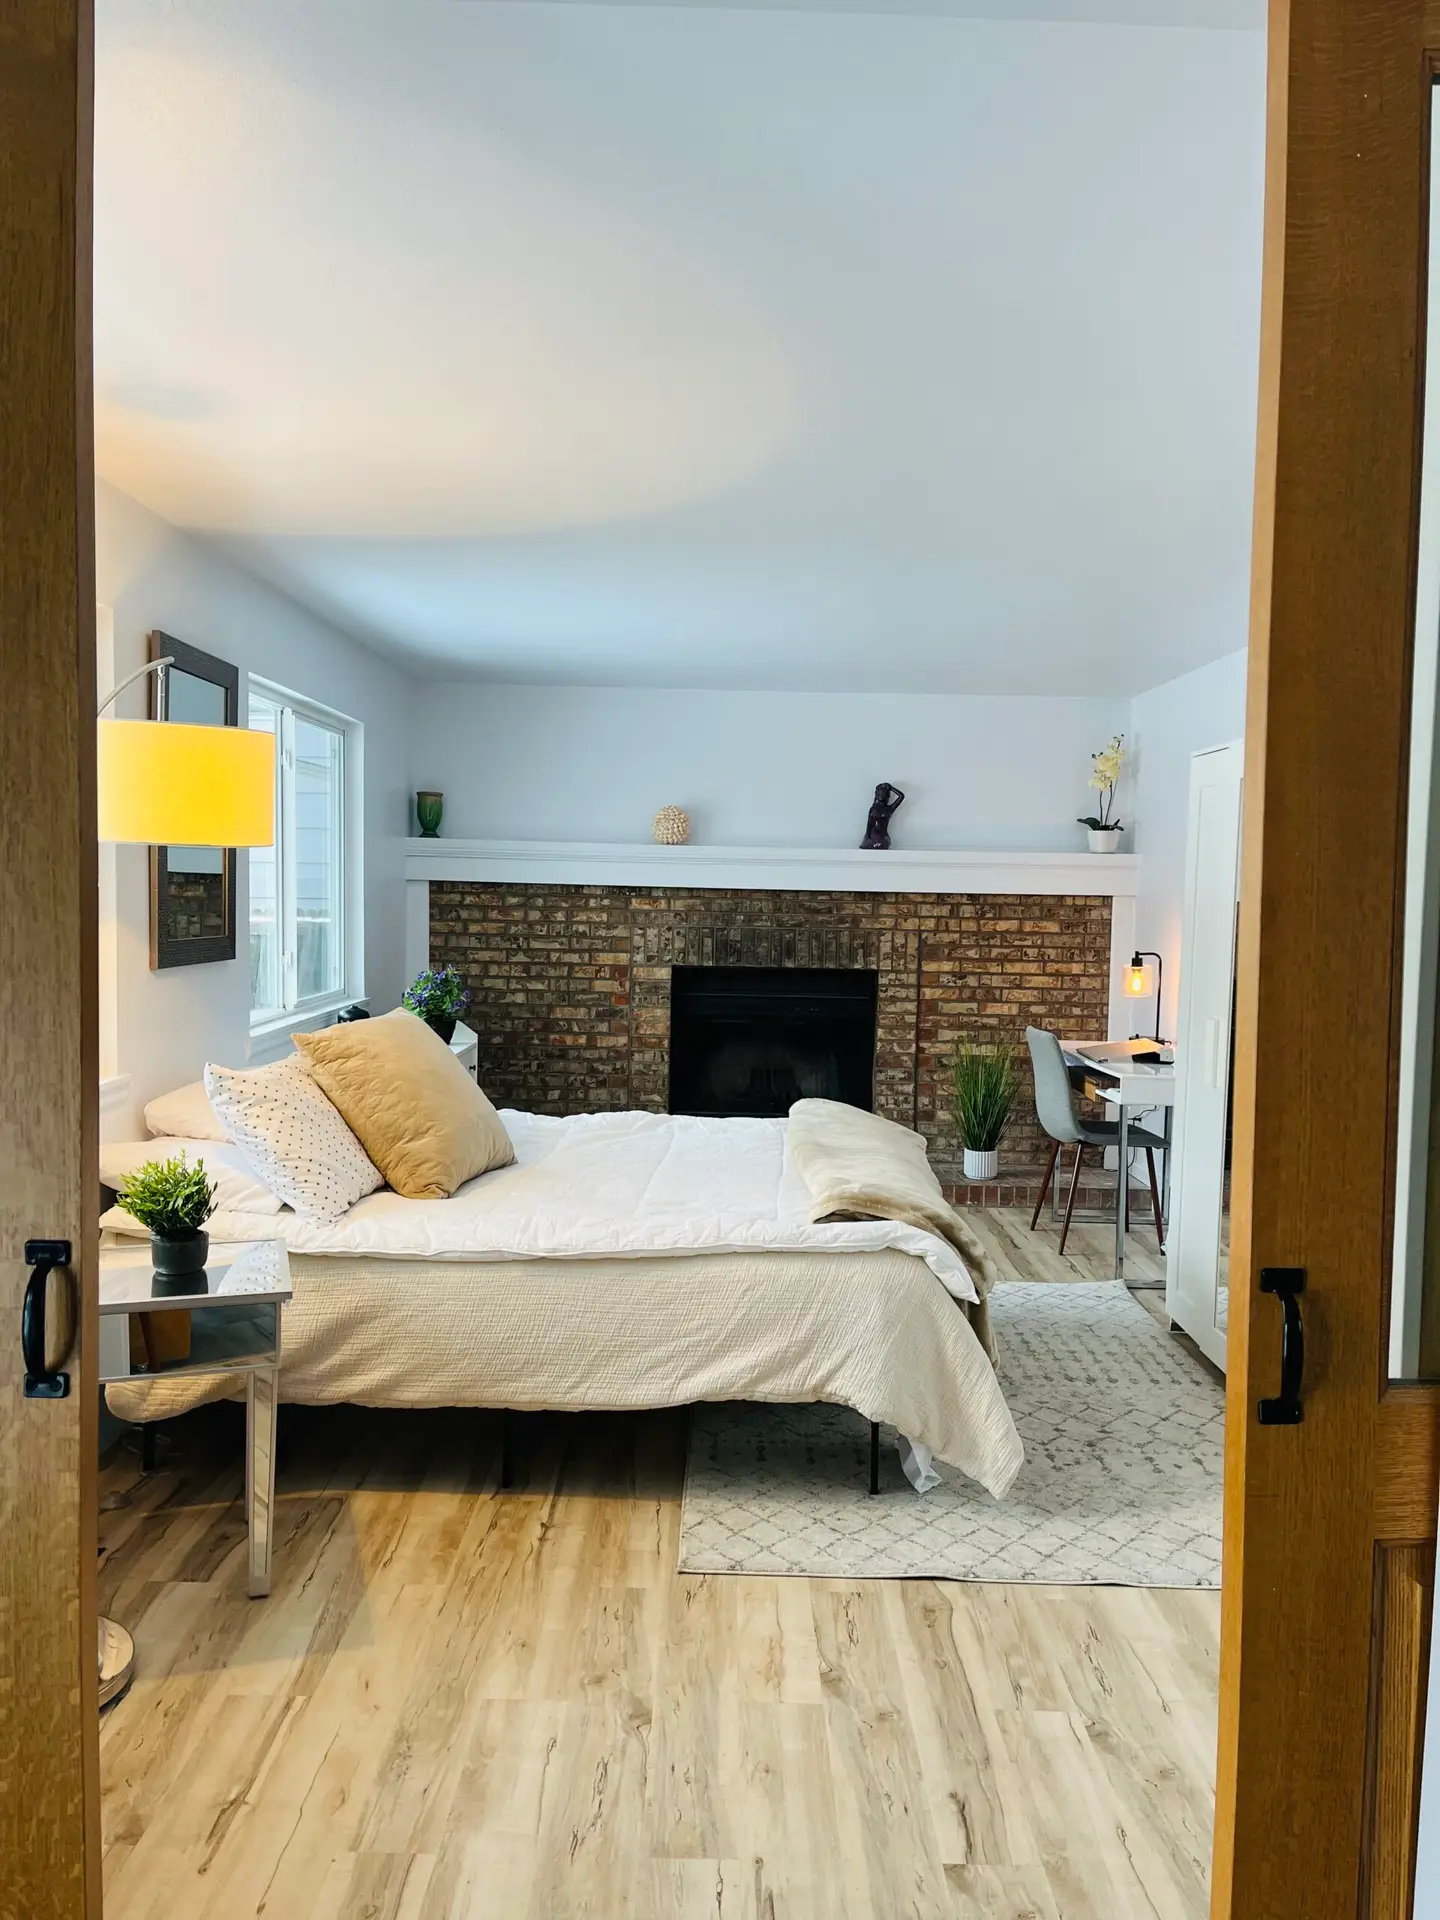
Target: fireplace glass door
754, 1040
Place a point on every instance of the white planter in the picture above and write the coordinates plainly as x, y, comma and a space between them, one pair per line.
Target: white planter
1103, 839
982, 1166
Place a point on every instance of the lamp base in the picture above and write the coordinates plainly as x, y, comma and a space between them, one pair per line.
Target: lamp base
117, 1661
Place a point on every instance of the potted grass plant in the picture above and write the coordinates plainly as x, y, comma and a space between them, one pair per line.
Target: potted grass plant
984, 1081
439, 996
174, 1200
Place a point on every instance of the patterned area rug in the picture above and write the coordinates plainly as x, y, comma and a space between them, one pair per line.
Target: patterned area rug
1121, 1486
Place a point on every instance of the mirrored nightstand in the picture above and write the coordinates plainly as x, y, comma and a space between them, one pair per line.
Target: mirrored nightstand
234, 1308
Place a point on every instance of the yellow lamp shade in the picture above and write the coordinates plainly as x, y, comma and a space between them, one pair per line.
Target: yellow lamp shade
165, 784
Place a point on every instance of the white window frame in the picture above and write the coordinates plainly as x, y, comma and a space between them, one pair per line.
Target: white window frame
270, 1029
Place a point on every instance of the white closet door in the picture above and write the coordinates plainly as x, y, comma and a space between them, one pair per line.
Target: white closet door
1197, 1268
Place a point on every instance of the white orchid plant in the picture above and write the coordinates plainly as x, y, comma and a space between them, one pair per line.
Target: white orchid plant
1104, 775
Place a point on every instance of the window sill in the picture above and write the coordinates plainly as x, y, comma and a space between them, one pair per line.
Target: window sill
269, 1038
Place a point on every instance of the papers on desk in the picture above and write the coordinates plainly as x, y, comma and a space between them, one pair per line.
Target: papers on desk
1114, 1055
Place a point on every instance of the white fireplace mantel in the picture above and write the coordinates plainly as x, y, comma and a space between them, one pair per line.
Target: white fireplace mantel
802, 869
576, 863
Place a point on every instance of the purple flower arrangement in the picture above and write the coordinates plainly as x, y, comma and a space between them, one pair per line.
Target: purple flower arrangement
437, 994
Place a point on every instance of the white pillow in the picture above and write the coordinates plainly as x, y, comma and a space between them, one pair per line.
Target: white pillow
238, 1188
186, 1114
296, 1141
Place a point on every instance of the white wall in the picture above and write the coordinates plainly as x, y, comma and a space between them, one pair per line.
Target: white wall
150, 575
1205, 708
575, 763
759, 769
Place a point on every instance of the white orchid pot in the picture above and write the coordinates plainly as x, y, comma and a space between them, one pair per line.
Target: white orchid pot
1103, 839
981, 1166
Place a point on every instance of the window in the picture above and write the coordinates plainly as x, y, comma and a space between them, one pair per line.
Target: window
299, 906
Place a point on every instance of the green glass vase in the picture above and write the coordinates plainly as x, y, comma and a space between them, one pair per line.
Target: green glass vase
429, 810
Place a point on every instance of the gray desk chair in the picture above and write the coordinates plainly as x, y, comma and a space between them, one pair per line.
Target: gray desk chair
1055, 1108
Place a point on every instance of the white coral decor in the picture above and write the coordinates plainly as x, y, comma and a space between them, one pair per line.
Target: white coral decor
672, 827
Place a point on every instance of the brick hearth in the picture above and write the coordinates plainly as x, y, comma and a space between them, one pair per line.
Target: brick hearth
571, 988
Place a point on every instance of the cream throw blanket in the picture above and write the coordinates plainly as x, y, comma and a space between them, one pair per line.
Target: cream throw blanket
860, 1167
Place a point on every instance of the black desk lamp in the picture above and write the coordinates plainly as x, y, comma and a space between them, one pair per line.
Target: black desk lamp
1137, 986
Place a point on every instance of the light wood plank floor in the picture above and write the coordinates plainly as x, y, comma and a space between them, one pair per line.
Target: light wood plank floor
1089, 1252
468, 1704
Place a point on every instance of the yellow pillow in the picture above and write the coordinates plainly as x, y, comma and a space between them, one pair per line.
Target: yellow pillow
409, 1102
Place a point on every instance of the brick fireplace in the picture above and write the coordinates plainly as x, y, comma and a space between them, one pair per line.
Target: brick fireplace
572, 987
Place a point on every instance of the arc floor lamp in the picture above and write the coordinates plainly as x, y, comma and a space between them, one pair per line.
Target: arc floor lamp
166, 783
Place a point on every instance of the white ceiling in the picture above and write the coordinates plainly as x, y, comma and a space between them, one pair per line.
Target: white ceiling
669, 345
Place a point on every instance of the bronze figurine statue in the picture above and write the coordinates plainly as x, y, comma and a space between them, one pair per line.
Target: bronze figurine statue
882, 810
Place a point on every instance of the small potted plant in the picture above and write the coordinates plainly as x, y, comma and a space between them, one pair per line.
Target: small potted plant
439, 996
174, 1200
984, 1094
1102, 828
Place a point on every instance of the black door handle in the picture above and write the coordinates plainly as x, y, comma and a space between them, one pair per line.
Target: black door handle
42, 1257
1287, 1409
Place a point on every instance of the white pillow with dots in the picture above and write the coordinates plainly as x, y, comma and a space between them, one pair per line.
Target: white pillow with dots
294, 1138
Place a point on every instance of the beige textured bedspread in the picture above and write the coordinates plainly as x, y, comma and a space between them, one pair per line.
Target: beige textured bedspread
861, 1167
873, 1331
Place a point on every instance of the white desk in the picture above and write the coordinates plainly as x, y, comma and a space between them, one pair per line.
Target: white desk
1129, 1086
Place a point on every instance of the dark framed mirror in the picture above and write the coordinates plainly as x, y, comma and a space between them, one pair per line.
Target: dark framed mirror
192, 889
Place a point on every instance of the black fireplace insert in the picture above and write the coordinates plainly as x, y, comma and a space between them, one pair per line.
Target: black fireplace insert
753, 1040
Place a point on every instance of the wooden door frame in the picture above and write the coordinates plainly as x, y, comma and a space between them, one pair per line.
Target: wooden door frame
1332, 613
50, 1861
1329, 1527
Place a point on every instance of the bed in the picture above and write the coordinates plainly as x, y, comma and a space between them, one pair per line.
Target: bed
641, 1260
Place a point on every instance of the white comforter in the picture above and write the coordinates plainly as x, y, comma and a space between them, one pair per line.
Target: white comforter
605, 1186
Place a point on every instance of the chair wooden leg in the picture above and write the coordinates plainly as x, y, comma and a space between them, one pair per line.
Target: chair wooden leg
1155, 1199
1045, 1183
1070, 1197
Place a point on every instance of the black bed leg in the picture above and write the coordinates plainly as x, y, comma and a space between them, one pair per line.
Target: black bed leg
507, 1464
874, 1456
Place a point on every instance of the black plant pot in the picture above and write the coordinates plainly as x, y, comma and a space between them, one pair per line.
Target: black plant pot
180, 1256
444, 1025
